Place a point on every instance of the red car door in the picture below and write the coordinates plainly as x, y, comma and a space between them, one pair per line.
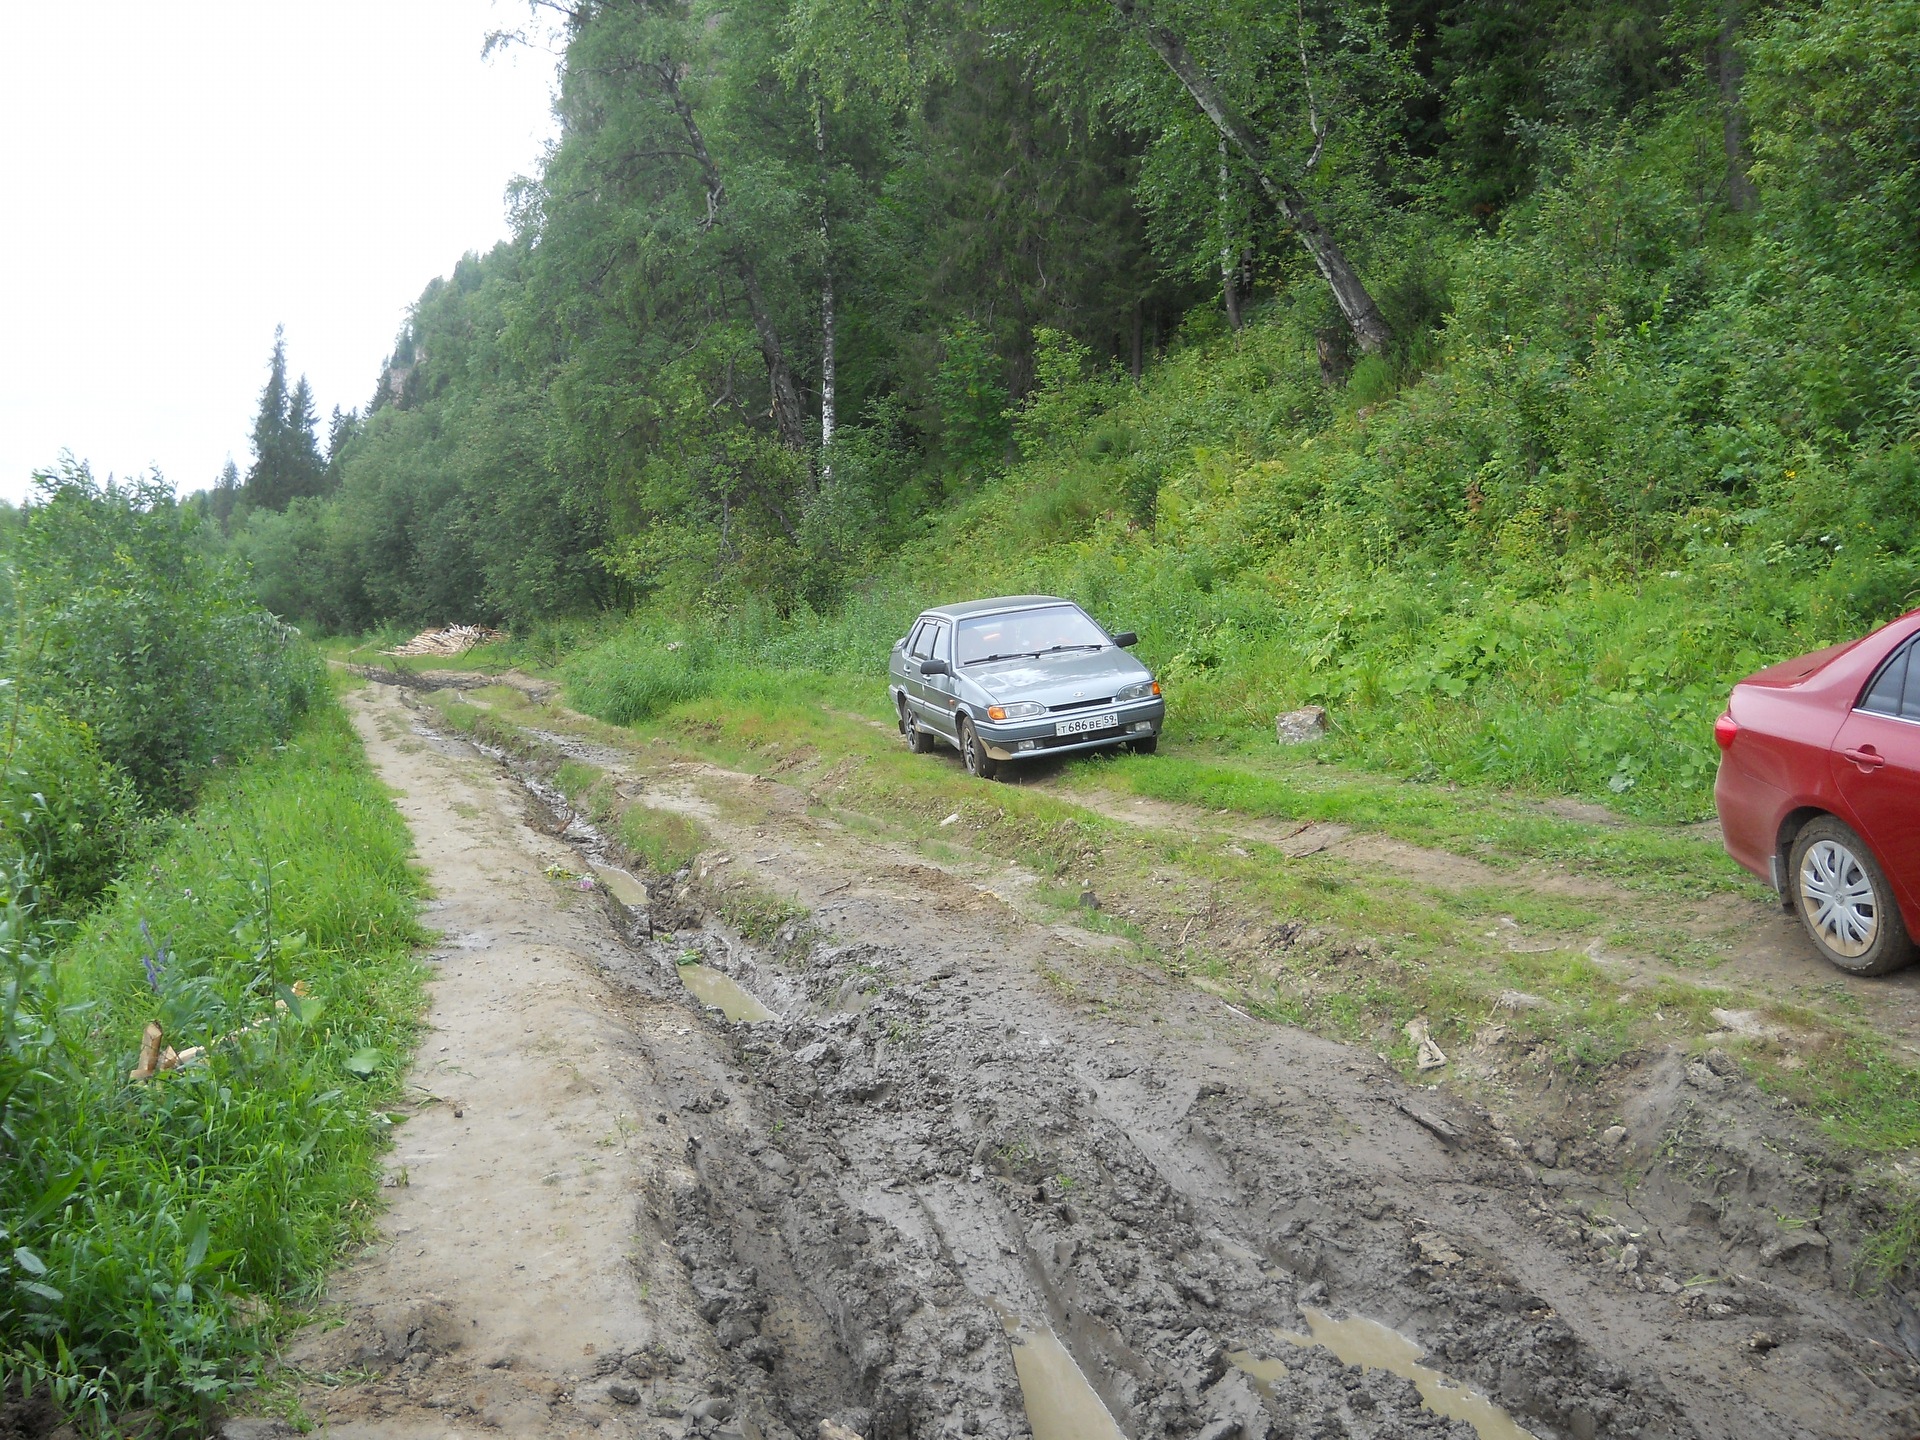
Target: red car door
1876, 765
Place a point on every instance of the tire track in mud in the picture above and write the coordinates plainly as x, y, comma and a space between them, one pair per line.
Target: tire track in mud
933, 1146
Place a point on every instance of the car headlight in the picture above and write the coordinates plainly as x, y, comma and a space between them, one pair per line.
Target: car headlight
1019, 710
1138, 692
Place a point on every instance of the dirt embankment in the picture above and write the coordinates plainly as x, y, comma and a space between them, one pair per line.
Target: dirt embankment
981, 1174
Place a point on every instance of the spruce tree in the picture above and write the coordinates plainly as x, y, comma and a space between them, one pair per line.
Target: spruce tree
225, 495
264, 478
341, 430
286, 449
304, 472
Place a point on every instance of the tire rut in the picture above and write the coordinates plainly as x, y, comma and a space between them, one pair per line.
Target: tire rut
936, 1161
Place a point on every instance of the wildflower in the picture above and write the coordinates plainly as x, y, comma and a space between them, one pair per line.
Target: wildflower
154, 962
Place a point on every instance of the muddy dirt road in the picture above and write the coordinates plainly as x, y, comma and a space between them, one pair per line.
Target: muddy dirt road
957, 1169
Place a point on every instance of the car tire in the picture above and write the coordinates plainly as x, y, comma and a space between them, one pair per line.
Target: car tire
1844, 901
918, 740
1144, 747
980, 765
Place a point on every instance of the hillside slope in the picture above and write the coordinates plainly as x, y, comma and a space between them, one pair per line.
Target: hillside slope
1650, 448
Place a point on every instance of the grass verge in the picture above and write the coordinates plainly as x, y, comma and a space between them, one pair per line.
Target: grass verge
176, 1227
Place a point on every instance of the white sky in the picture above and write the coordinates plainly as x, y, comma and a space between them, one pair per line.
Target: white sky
181, 177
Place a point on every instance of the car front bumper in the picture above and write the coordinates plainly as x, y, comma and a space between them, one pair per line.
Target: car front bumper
1032, 739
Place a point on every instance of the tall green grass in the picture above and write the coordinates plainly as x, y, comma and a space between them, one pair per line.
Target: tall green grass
166, 1231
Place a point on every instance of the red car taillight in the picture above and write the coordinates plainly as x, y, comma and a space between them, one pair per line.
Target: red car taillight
1724, 729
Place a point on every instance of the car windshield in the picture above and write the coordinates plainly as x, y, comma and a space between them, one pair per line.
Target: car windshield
1026, 632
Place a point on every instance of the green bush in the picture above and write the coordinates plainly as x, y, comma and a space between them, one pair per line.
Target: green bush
63, 809
122, 620
639, 673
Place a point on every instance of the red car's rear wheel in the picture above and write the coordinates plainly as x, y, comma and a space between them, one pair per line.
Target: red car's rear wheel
1842, 897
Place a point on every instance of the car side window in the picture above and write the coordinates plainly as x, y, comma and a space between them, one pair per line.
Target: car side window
918, 646
937, 645
1896, 689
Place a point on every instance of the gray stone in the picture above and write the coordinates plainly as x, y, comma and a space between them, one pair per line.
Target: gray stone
1700, 1077
1793, 1242
1546, 1152
714, 1407
255, 1427
1298, 727
625, 1392
1613, 1136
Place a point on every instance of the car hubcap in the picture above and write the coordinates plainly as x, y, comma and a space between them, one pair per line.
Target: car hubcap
973, 751
1836, 894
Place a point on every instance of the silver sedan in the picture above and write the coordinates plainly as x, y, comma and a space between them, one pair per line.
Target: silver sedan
1019, 677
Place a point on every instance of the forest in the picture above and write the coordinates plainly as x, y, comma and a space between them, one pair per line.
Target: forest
1473, 357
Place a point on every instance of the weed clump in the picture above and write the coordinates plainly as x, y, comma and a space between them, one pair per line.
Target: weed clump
164, 1233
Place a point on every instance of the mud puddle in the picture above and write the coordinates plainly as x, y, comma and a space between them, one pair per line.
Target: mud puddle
720, 991
1060, 1403
621, 886
1264, 1371
1357, 1340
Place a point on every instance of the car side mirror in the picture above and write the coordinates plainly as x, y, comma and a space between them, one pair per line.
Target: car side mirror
934, 667
1126, 638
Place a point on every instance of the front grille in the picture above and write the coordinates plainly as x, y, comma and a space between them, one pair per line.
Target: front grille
1081, 704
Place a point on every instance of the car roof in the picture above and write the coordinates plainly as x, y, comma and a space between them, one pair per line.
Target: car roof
967, 608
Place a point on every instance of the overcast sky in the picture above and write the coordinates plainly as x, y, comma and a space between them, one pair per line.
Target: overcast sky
182, 177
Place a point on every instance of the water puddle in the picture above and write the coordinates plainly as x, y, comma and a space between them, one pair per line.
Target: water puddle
628, 891
1368, 1343
723, 993
1061, 1405
1260, 1371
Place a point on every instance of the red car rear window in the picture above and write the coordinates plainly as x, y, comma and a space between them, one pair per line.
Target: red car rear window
1896, 688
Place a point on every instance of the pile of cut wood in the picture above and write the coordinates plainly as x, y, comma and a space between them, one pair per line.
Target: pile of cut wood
449, 640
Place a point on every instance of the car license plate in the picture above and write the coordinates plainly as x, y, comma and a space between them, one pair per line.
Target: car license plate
1085, 724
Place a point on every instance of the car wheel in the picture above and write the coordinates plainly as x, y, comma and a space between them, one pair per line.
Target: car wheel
918, 740
1144, 746
1844, 901
979, 764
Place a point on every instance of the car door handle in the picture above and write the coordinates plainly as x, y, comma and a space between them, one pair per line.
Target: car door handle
1866, 757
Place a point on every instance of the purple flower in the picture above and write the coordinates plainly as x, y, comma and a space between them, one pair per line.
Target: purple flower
156, 961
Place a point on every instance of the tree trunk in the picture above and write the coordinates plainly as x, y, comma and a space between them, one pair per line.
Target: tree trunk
1229, 261
789, 418
1733, 125
1335, 361
1370, 328
827, 359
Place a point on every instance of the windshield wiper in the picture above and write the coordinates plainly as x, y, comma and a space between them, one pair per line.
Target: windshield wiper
988, 659
1055, 649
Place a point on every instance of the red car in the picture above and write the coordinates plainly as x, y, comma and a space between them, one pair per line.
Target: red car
1819, 792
